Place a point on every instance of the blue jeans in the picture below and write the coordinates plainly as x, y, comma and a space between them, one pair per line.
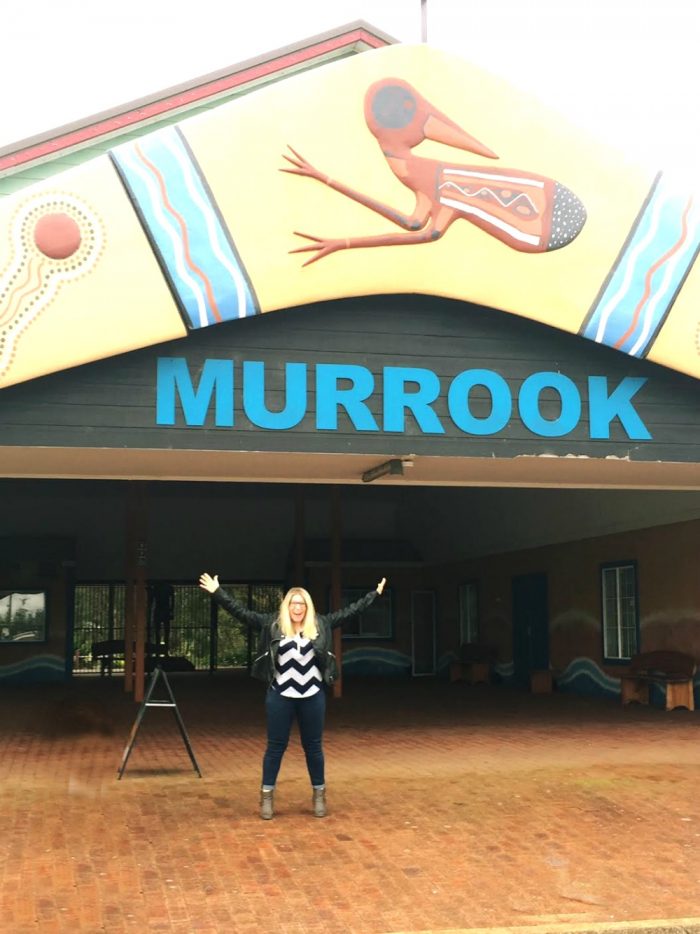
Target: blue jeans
309, 713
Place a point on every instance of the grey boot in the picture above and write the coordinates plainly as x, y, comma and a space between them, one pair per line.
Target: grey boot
319, 802
266, 804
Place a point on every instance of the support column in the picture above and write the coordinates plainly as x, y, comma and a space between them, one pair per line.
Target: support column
298, 579
68, 569
136, 601
336, 582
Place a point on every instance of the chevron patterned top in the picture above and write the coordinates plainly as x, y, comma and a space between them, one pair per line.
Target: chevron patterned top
297, 674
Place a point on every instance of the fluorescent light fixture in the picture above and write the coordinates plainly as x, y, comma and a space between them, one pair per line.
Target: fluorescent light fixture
394, 466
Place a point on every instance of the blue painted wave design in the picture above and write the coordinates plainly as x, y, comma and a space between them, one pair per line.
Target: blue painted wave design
649, 272
376, 662
584, 676
185, 228
505, 670
36, 669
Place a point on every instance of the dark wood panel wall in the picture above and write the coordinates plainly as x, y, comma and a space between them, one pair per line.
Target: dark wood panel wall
113, 403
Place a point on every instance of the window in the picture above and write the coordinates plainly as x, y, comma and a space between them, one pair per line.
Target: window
375, 622
233, 638
98, 616
620, 616
23, 615
192, 626
468, 613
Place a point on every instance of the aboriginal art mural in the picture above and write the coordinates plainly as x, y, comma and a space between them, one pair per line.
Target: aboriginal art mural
229, 213
642, 285
525, 211
54, 239
184, 227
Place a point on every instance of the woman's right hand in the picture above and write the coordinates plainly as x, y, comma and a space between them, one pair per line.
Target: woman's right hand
209, 583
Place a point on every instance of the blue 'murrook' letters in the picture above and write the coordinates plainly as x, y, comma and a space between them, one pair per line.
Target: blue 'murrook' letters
604, 408
216, 379
458, 402
397, 399
405, 388
529, 404
254, 396
329, 396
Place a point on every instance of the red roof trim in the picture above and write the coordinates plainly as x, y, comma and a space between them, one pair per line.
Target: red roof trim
183, 98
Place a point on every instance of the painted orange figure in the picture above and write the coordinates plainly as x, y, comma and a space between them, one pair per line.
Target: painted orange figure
527, 212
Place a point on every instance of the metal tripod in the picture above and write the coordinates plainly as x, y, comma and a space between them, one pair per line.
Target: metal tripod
147, 702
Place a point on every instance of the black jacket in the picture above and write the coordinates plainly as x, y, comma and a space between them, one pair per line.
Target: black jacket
269, 634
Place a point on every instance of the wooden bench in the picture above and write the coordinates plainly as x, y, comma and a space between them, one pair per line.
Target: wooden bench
474, 663
674, 670
168, 663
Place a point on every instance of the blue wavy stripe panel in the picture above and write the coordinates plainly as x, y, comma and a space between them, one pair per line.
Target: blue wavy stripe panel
185, 228
505, 670
649, 271
584, 676
376, 662
36, 669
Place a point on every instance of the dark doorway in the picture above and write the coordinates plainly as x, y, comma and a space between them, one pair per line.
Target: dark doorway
530, 627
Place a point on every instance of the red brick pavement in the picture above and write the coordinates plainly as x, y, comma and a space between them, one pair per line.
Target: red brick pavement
450, 807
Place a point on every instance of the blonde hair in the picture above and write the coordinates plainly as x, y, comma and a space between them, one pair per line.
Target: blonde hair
310, 627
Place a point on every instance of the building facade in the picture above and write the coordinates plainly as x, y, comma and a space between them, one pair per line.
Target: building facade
210, 363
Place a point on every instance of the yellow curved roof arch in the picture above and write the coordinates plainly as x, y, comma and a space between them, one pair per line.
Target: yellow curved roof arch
403, 170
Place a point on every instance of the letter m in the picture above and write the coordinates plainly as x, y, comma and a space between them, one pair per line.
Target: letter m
174, 381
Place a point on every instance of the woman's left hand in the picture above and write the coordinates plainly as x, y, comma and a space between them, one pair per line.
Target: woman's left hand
380, 585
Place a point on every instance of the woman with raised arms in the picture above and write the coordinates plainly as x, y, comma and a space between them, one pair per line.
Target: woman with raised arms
295, 657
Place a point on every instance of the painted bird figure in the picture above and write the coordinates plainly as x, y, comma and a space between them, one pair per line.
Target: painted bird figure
528, 212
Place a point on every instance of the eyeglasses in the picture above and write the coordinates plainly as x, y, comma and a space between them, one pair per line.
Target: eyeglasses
297, 603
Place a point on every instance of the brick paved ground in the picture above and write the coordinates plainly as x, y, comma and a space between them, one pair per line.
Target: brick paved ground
450, 807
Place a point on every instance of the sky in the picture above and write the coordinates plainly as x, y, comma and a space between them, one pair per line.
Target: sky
625, 71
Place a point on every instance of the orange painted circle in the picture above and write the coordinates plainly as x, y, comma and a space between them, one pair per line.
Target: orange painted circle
57, 236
